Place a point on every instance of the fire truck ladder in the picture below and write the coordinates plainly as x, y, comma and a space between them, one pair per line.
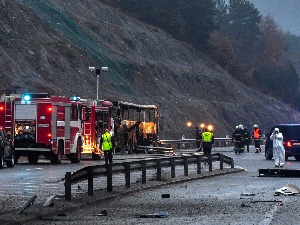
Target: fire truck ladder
8, 113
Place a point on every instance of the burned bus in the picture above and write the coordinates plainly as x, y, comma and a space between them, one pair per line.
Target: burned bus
134, 125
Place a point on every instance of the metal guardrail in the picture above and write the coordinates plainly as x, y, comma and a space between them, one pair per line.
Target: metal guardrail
191, 143
88, 173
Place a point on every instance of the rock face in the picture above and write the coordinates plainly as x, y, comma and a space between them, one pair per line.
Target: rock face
47, 46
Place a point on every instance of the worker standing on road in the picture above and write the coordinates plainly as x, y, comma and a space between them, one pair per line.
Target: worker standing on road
106, 143
237, 139
246, 137
207, 141
242, 145
198, 139
278, 149
256, 137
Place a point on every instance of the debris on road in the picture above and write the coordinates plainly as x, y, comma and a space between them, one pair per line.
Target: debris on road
289, 189
50, 201
102, 213
278, 173
165, 195
29, 203
155, 215
247, 195
244, 205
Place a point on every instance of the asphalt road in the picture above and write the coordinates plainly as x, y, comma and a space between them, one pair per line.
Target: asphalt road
20, 183
242, 198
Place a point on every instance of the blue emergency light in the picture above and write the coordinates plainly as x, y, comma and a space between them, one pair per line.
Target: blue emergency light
27, 97
75, 98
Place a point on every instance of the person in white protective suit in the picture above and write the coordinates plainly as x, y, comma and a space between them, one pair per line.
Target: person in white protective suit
278, 149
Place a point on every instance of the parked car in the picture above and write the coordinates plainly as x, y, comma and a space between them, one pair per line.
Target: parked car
291, 141
7, 151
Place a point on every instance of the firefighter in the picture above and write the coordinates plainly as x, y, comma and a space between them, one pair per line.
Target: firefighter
246, 138
237, 138
234, 134
207, 141
256, 137
198, 139
107, 144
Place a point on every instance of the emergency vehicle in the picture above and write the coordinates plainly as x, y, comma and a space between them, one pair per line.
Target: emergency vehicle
99, 116
41, 124
135, 125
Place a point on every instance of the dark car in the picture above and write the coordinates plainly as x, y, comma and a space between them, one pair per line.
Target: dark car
291, 141
7, 151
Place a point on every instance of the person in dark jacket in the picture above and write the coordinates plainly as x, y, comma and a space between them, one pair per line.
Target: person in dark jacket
237, 138
198, 135
246, 137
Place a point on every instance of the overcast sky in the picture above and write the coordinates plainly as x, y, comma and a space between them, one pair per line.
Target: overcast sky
285, 12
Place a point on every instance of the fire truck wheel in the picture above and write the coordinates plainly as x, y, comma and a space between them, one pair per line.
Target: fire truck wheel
11, 163
56, 159
1, 159
75, 158
33, 159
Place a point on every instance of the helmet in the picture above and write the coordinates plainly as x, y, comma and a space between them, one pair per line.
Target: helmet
241, 126
255, 126
276, 130
236, 127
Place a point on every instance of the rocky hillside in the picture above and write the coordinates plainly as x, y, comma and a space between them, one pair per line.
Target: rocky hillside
47, 46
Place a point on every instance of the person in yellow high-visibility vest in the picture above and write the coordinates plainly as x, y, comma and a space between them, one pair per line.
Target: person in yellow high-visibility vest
207, 141
107, 144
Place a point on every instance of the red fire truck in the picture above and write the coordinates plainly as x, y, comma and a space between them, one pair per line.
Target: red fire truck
98, 118
41, 124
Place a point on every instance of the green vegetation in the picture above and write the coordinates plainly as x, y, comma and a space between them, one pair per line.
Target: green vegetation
82, 39
293, 44
234, 34
190, 21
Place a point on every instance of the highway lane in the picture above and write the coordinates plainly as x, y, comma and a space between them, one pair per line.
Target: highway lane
242, 198
20, 183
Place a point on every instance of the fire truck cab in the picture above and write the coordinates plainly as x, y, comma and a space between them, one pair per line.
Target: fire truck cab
99, 117
41, 124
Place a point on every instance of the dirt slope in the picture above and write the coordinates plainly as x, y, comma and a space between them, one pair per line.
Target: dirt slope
47, 46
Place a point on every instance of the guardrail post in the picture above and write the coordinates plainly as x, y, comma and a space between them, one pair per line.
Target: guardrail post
209, 157
144, 171
172, 162
109, 177
232, 163
158, 167
186, 166
127, 174
198, 164
68, 186
90, 181
221, 161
